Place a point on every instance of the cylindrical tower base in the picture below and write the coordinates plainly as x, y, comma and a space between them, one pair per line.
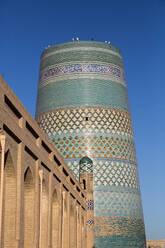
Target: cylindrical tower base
83, 108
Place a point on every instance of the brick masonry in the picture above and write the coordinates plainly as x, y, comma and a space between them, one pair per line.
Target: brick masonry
41, 202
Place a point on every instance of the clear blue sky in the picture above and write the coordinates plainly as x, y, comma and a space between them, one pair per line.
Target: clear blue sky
137, 28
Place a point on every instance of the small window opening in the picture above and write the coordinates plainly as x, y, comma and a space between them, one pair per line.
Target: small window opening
84, 183
78, 189
82, 195
87, 118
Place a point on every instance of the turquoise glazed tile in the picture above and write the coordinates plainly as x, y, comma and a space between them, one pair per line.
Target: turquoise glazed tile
83, 108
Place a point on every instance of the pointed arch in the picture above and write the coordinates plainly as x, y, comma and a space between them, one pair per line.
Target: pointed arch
65, 230
78, 229
82, 232
29, 205
55, 221
9, 235
44, 216
73, 227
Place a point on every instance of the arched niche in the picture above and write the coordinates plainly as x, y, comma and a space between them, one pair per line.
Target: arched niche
9, 235
82, 232
44, 216
55, 220
73, 227
78, 229
65, 230
29, 205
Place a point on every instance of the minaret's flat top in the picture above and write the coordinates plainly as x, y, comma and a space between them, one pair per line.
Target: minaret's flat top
79, 44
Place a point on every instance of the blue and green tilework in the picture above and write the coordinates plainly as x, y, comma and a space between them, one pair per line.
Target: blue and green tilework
83, 108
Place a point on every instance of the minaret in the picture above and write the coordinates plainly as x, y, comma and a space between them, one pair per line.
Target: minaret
83, 108
86, 181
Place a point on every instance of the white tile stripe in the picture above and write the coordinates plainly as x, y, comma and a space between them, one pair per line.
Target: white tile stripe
82, 49
54, 79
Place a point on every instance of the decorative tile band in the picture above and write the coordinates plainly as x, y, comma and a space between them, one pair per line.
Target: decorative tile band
79, 69
108, 172
78, 56
79, 44
82, 92
86, 168
117, 226
83, 76
97, 132
115, 173
84, 120
90, 204
90, 222
119, 232
85, 48
117, 201
95, 146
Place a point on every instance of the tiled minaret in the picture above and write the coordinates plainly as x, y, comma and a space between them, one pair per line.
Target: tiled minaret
86, 181
83, 108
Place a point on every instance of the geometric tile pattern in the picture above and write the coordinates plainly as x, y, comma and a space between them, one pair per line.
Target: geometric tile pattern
120, 232
83, 108
90, 204
95, 146
86, 165
86, 120
109, 172
60, 70
90, 222
116, 201
115, 173
73, 165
